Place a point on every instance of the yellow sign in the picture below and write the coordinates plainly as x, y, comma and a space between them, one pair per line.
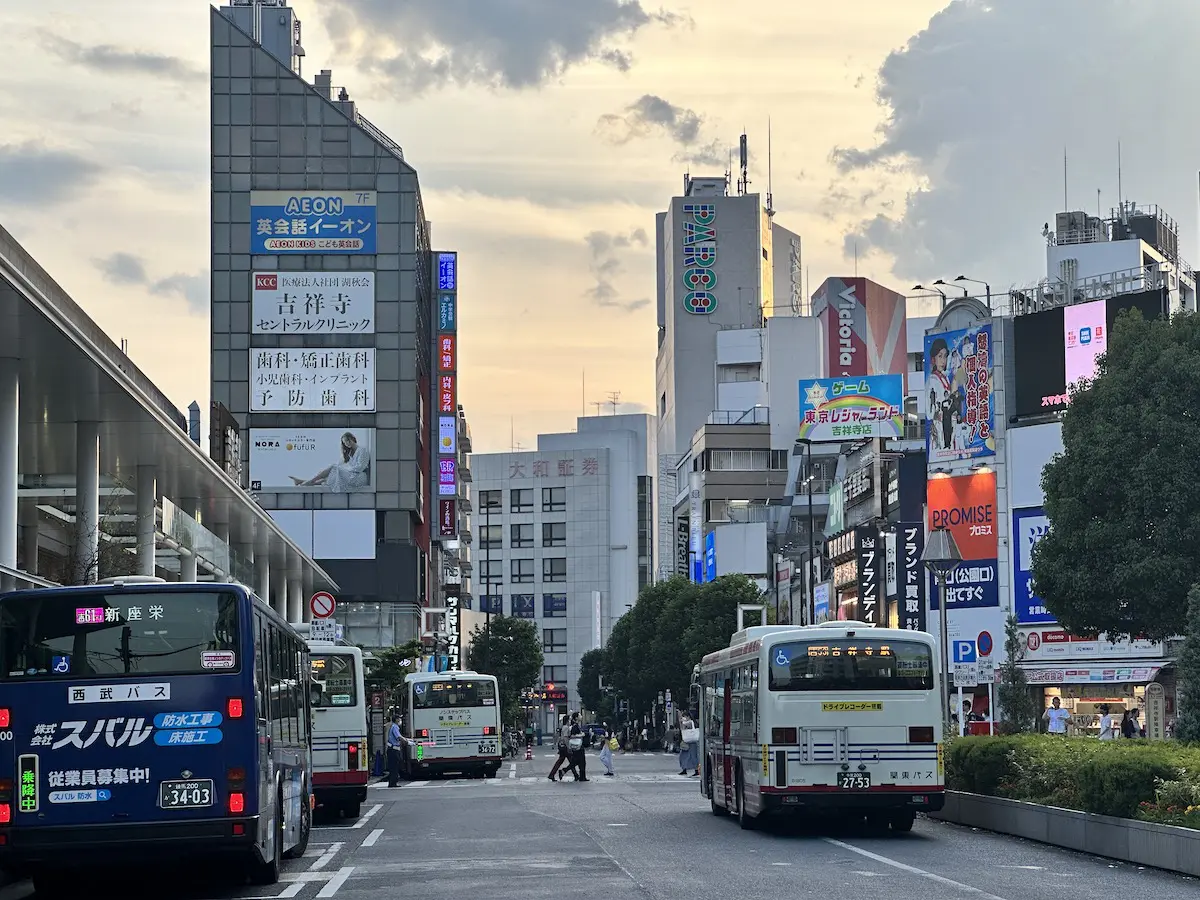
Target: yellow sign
860, 706
766, 761
941, 762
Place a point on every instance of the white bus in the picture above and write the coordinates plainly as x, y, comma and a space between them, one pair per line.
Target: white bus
450, 723
339, 727
842, 717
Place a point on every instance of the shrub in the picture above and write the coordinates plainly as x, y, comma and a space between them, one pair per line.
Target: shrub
1115, 786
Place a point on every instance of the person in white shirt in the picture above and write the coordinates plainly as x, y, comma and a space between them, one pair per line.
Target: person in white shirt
1056, 717
1108, 729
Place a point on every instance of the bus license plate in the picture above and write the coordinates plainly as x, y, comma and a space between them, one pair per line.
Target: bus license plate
854, 781
185, 794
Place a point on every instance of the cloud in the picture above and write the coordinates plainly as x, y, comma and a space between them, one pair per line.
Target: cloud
984, 149
512, 44
605, 265
652, 115
32, 173
109, 60
125, 269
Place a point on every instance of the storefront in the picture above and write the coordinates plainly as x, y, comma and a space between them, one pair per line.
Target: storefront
1085, 689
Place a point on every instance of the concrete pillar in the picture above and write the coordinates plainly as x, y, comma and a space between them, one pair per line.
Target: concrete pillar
10, 405
246, 552
187, 561
147, 505
262, 567
30, 532
87, 503
295, 601
306, 591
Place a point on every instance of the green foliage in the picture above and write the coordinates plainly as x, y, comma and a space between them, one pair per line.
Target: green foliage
510, 649
1187, 719
1123, 548
1019, 711
592, 665
386, 670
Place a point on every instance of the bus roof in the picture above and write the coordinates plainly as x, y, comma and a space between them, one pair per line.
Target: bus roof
749, 641
441, 676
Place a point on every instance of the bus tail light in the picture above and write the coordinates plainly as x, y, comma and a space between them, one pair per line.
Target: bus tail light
237, 803
920, 734
424, 732
783, 735
234, 707
352, 757
5, 813
489, 729
6, 787
5, 717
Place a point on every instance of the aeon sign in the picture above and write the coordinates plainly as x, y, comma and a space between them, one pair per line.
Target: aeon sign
699, 257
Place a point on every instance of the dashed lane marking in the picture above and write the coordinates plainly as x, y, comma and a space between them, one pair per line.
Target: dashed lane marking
372, 837
326, 857
913, 870
335, 882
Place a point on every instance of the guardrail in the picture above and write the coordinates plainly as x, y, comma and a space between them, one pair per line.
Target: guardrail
17, 580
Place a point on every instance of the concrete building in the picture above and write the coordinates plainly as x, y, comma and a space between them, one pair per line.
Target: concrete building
322, 312
564, 537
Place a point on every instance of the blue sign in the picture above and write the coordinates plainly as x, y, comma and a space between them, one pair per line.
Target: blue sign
188, 720
984, 643
821, 602
522, 606
190, 738
973, 585
447, 271
1029, 526
780, 657
959, 403
710, 556
697, 570
852, 408
447, 313
964, 651
291, 222
60, 664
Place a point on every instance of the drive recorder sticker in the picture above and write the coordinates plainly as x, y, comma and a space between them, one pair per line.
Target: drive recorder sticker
217, 659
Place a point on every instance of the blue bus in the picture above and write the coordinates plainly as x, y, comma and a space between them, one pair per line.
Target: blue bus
144, 720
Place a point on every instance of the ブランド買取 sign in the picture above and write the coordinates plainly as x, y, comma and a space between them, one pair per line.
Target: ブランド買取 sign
289, 222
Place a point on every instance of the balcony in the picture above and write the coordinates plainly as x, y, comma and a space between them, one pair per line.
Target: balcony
465, 566
464, 438
464, 504
464, 474
759, 415
464, 532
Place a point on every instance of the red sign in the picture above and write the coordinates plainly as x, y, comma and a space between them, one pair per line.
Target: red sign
447, 519
966, 505
322, 605
446, 395
266, 282
446, 352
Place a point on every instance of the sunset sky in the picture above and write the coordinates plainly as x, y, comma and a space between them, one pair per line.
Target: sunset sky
927, 136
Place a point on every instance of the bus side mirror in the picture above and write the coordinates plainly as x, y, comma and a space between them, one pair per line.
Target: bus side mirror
314, 693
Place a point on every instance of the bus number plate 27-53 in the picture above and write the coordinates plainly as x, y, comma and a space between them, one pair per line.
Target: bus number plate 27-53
854, 781
185, 794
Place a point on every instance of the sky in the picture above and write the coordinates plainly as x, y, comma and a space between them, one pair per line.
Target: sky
914, 139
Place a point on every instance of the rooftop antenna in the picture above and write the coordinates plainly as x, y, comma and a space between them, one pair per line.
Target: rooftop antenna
1066, 208
512, 434
770, 196
744, 163
614, 398
729, 173
583, 393
1120, 190
856, 258
597, 404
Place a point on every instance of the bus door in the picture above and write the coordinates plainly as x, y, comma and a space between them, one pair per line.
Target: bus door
726, 745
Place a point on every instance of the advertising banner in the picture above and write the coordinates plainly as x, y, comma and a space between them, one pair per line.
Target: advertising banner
866, 326
325, 380
683, 534
960, 414
710, 557
313, 303
447, 271
446, 355
910, 537
821, 594
447, 519
522, 606
290, 222
849, 409
966, 505
1085, 337
447, 313
1054, 644
448, 435
447, 485
870, 574
1028, 527
695, 526
308, 460
447, 396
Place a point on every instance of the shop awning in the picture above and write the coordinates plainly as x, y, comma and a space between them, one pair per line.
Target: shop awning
1126, 672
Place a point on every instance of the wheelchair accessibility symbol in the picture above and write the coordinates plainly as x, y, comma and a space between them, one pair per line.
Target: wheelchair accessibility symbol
782, 658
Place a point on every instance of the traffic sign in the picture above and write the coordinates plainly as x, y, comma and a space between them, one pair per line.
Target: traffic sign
984, 643
322, 605
987, 670
966, 675
322, 630
964, 652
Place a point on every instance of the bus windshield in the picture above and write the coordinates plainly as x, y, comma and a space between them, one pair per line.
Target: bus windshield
857, 664
449, 694
333, 674
95, 634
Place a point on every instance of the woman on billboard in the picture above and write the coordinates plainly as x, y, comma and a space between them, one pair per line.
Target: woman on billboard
353, 473
943, 398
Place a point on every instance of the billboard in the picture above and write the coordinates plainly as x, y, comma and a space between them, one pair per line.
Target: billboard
289, 222
447, 271
1042, 644
959, 408
699, 242
447, 518
447, 470
870, 557
312, 303
338, 379
1028, 527
447, 312
1085, 338
866, 328
910, 546
448, 435
849, 409
308, 460
446, 354
447, 396
966, 505
710, 557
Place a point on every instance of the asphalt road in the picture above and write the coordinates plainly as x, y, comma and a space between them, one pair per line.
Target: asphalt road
646, 833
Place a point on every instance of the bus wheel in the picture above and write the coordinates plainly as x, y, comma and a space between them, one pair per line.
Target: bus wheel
352, 811
903, 820
490, 773
52, 884
717, 810
744, 819
268, 872
305, 830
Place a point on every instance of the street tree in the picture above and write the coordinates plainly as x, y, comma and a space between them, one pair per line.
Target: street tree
592, 667
1018, 710
510, 649
386, 671
1123, 548
1187, 713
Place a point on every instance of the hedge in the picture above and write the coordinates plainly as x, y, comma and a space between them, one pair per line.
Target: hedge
1156, 781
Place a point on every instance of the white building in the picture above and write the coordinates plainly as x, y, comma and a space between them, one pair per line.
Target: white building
564, 537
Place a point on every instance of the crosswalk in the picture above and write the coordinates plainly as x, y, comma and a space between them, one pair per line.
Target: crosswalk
535, 780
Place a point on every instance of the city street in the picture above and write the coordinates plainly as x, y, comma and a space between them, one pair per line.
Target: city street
646, 833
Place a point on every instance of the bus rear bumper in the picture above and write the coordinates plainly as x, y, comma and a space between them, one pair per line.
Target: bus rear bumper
890, 800
25, 849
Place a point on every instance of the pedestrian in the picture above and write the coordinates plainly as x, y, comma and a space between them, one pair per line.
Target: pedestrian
689, 753
576, 755
393, 750
1056, 717
1108, 729
564, 733
606, 755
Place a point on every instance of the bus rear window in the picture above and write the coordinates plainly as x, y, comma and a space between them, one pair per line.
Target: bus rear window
450, 694
334, 675
97, 634
851, 665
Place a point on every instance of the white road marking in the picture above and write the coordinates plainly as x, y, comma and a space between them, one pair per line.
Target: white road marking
1027, 868
290, 891
418, 783
913, 870
326, 857
372, 837
618, 824
781, 864
512, 772
336, 882
367, 817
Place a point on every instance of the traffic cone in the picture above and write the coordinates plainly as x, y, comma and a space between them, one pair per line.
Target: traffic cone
528, 752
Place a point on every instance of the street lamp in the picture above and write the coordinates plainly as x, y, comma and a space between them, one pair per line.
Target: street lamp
932, 290
942, 283
987, 287
809, 613
942, 557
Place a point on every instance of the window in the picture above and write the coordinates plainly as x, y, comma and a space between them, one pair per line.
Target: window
554, 499
491, 571
554, 674
554, 534
744, 460
554, 606
521, 536
522, 571
491, 603
491, 537
520, 500
522, 606
554, 569
333, 675
453, 694
866, 664
554, 640
491, 500
285, 661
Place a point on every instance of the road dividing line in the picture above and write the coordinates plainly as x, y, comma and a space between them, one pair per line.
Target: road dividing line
336, 882
512, 771
366, 817
372, 837
326, 857
913, 870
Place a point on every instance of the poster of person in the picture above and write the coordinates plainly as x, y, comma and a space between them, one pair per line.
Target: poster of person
312, 460
959, 395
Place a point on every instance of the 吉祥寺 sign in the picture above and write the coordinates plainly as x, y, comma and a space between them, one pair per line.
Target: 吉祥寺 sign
313, 303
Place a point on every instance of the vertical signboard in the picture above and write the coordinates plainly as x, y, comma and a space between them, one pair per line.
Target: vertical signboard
453, 633
1029, 527
447, 518
966, 505
959, 395
695, 527
910, 548
445, 355
699, 256
870, 574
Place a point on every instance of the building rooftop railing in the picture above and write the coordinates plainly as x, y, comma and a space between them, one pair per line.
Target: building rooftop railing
365, 124
1053, 292
758, 415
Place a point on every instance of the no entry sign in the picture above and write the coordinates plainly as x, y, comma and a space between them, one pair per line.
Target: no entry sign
322, 605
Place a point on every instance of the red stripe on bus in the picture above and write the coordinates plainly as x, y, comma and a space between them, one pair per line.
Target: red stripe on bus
876, 789
320, 778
